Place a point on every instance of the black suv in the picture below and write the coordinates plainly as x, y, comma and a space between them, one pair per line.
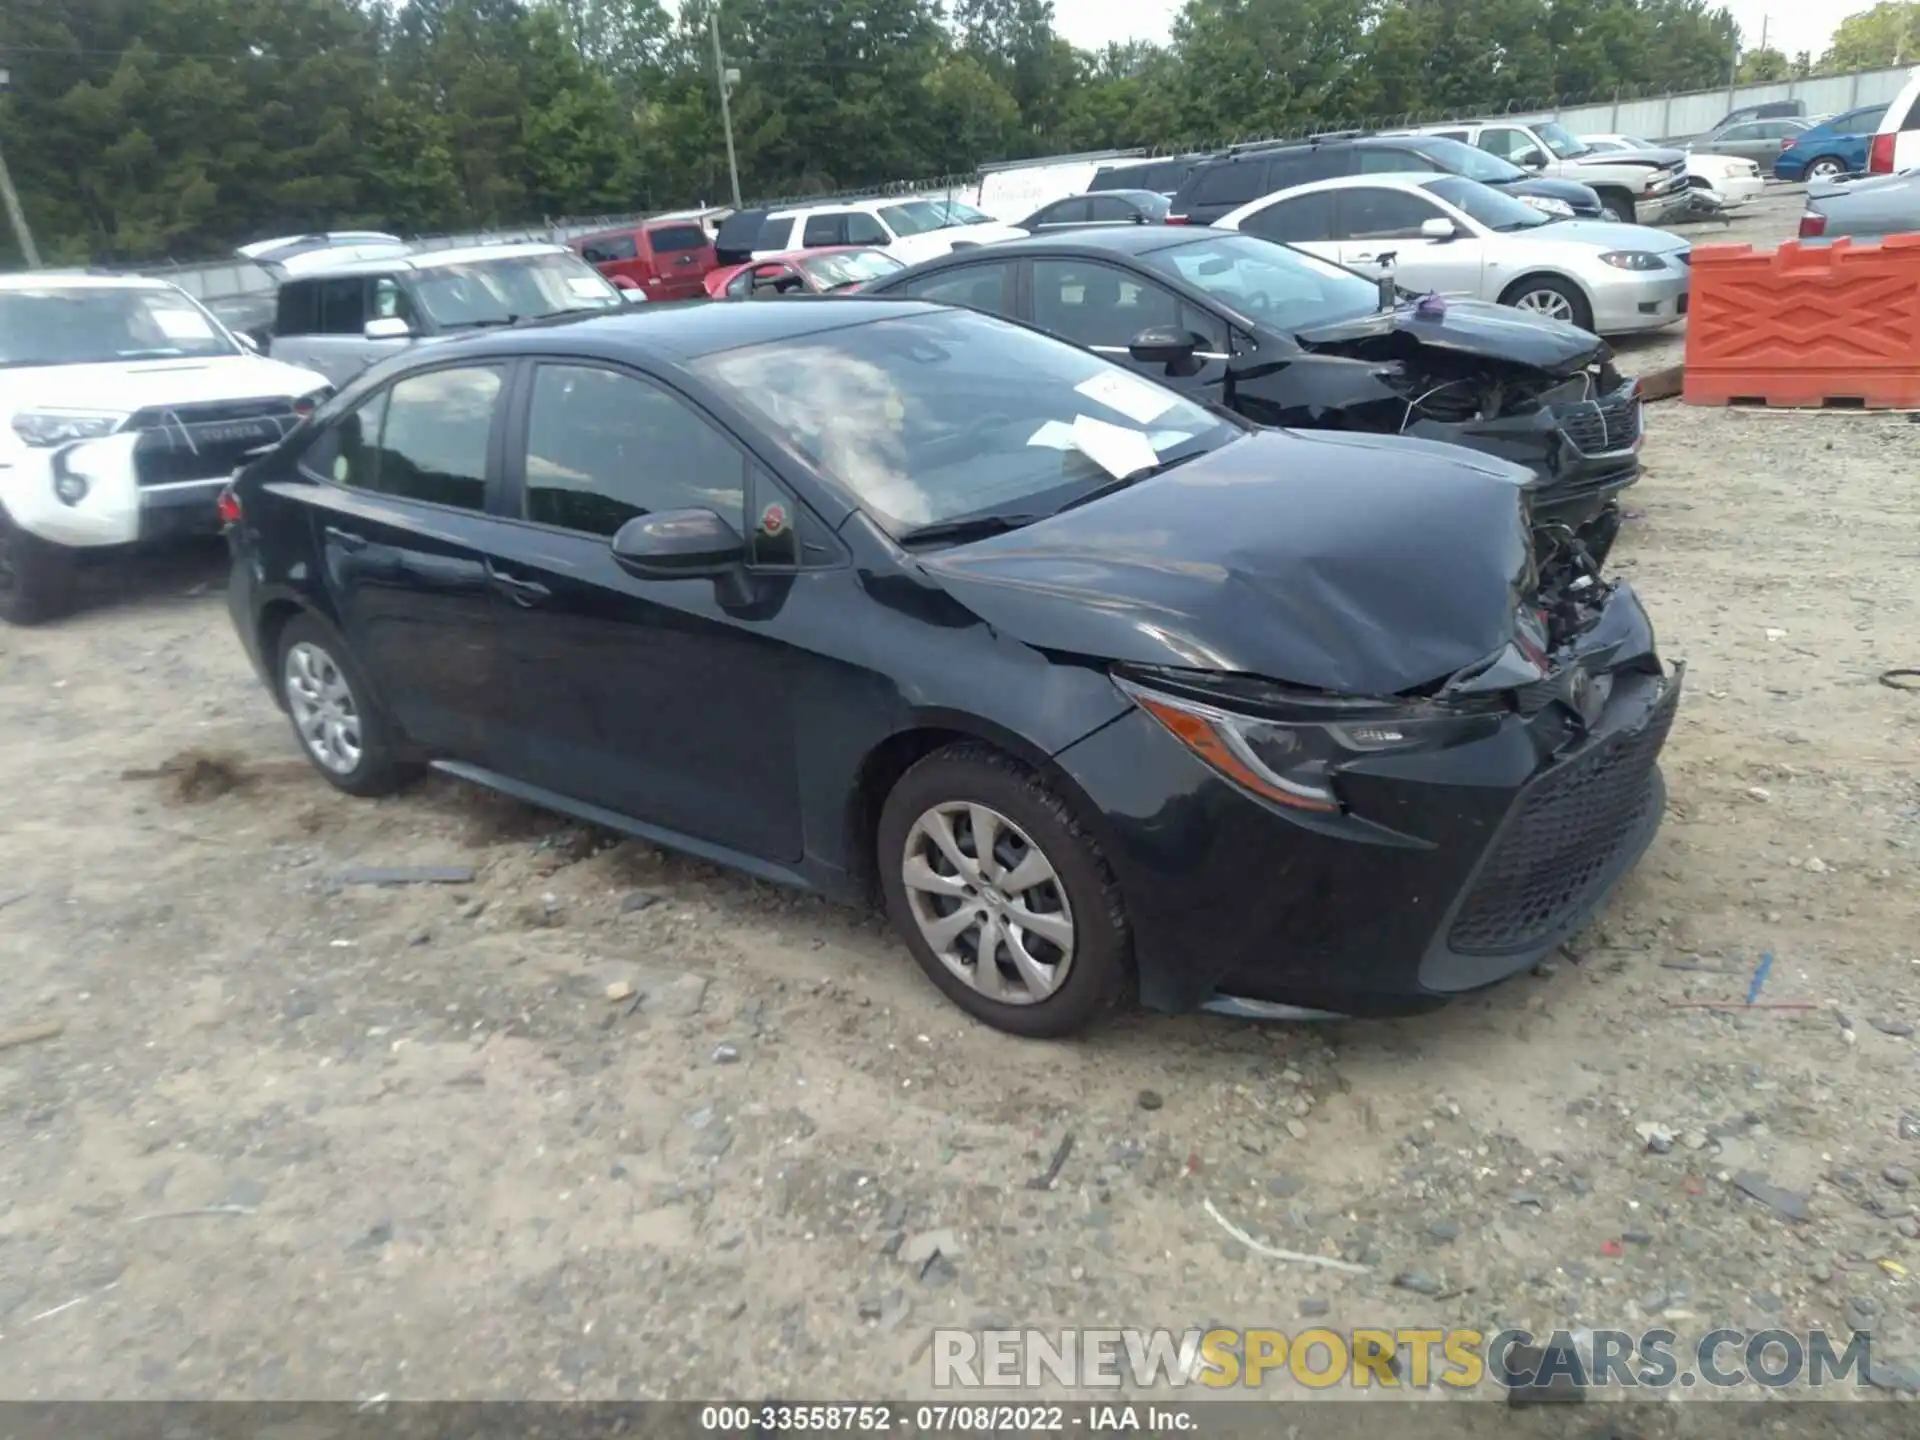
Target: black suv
1218, 186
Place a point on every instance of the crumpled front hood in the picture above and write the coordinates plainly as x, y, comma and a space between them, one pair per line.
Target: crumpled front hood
1360, 564
1659, 156
1474, 327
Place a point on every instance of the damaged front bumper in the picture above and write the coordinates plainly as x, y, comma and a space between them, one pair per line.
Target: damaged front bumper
1445, 870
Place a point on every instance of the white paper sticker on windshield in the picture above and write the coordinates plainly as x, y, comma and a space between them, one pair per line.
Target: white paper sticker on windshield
1131, 396
181, 324
586, 287
1055, 435
1114, 448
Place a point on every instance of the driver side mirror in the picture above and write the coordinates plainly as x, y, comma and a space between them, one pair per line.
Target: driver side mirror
247, 342
1166, 345
1438, 228
677, 545
1530, 159
390, 327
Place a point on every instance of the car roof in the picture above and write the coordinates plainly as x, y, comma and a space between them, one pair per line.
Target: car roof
434, 259
1112, 240
676, 332
80, 280
1392, 179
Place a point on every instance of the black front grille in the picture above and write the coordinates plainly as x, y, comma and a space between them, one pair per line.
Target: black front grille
1563, 842
207, 441
1602, 426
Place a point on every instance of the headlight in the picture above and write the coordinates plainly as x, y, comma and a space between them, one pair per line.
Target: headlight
1633, 260
63, 427
1546, 205
1291, 753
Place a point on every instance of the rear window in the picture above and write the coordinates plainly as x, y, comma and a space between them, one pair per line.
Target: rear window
677, 237
1163, 176
1912, 122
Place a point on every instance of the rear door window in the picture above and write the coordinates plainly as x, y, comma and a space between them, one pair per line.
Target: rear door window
1073, 212
1105, 208
434, 437
608, 248
1098, 306
1387, 162
1233, 183
1292, 222
865, 229
1379, 214
776, 231
824, 230
984, 286
666, 239
1302, 167
297, 310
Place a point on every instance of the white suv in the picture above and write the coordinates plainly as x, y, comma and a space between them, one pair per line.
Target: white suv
911, 229
1896, 148
124, 408
1643, 186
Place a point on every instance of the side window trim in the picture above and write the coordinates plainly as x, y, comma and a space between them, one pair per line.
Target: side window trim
514, 435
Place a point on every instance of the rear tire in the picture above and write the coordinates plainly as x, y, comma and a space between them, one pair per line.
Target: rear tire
327, 698
1825, 168
1551, 297
36, 576
1050, 977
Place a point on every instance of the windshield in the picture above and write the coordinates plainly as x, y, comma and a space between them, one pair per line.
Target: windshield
848, 267
1268, 281
1459, 158
917, 217
517, 287
1491, 208
928, 418
1560, 141
99, 324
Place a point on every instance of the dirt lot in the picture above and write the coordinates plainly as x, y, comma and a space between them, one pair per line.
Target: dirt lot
307, 1139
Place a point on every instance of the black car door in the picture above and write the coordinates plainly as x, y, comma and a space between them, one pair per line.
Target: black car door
666, 701
1103, 307
403, 526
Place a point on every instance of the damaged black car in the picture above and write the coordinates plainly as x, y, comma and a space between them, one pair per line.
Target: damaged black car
1102, 692
1287, 338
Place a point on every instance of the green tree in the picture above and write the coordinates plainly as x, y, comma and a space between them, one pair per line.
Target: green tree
1887, 34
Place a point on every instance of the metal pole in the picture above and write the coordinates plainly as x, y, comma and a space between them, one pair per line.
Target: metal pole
18, 217
726, 110
12, 200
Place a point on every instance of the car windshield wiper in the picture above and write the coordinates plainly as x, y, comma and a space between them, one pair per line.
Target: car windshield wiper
967, 527
1122, 482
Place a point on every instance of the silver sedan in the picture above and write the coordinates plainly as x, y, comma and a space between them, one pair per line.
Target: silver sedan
1459, 237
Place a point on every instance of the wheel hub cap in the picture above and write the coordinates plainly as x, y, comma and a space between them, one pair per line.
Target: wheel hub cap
323, 707
988, 903
1546, 302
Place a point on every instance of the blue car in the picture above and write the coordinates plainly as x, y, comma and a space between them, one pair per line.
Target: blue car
1833, 147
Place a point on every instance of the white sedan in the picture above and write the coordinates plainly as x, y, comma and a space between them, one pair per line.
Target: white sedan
1456, 236
1734, 180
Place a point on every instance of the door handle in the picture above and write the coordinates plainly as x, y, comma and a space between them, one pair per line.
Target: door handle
522, 592
346, 539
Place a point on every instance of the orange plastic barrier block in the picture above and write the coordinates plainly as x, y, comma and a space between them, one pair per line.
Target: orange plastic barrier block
1805, 325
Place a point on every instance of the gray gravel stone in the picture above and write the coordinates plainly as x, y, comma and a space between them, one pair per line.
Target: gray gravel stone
1312, 1309
1150, 1100
1445, 1231
1898, 1176
1417, 1281
1284, 1187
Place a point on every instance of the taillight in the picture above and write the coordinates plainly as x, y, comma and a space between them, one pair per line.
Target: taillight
1880, 154
307, 404
1811, 224
1786, 142
227, 507
1178, 220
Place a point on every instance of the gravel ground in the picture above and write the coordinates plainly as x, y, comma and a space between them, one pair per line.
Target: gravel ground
304, 1138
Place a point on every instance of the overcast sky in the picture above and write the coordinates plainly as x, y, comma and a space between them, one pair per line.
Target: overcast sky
1793, 24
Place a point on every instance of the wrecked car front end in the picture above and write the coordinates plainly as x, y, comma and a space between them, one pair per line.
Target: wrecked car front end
1538, 394
1376, 755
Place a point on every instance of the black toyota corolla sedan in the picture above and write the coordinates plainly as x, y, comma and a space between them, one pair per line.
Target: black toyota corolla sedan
1287, 338
1104, 692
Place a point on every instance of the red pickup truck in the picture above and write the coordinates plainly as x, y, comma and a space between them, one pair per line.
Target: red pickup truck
666, 259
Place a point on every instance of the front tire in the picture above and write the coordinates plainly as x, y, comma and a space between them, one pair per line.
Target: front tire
36, 576
1552, 298
328, 700
1001, 894
1618, 207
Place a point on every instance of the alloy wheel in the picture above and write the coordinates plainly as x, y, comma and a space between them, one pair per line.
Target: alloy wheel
1824, 169
1550, 303
988, 902
323, 707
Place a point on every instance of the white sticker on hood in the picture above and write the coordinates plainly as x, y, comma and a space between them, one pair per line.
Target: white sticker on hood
1131, 396
181, 324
